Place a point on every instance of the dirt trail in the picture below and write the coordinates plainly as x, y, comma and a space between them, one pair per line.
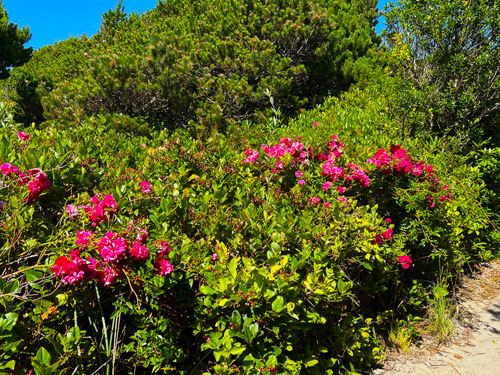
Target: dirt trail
474, 348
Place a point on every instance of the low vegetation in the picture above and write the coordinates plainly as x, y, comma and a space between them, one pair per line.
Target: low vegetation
245, 195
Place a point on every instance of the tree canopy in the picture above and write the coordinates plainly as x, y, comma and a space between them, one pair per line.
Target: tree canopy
12, 40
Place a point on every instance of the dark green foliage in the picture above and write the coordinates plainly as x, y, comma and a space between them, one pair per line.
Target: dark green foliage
12, 40
447, 53
36, 88
191, 60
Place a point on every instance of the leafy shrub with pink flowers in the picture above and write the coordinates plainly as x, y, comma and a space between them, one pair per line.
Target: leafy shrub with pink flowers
248, 252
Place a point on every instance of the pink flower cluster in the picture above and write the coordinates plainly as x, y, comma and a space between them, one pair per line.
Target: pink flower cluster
336, 173
401, 163
38, 184
163, 265
146, 187
379, 238
251, 156
405, 261
23, 136
114, 251
100, 210
286, 146
37, 181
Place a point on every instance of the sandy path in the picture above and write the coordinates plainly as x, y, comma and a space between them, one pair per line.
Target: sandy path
474, 348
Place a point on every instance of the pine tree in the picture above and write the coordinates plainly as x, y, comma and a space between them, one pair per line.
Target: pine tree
12, 40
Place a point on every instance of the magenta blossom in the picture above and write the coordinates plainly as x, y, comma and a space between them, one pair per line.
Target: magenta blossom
83, 238
72, 211
139, 253
314, 200
215, 257
163, 267
7, 169
387, 234
37, 186
23, 136
405, 261
146, 187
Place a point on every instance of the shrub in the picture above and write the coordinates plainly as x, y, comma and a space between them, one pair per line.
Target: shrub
445, 53
164, 67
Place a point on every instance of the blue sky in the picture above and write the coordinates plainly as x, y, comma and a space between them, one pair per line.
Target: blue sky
56, 20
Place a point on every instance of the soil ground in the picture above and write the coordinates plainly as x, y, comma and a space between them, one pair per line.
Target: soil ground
474, 347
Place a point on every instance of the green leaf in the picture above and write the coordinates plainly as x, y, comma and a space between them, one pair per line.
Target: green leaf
33, 275
254, 329
342, 286
12, 287
368, 266
43, 356
8, 321
205, 289
10, 365
278, 304
237, 350
232, 267
311, 363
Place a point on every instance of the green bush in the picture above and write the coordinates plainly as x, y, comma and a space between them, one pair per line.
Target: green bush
264, 276
170, 69
446, 54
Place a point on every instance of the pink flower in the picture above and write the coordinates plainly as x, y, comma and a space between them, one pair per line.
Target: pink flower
298, 174
7, 169
83, 238
285, 140
163, 267
23, 136
72, 211
388, 220
215, 257
164, 248
139, 252
379, 240
327, 204
75, 269
23, 178
405, 261
37, 186
327, 185
430, 199
388, 234
301, 182
251, 155
142, 236
315, 124
341, 189
108, 276
146, 187
314, 200
100, 210
112, 248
